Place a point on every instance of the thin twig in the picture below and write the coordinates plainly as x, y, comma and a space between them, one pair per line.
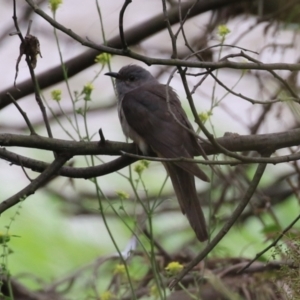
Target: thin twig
182, 21
102, 138
29, 27
159, 247
273, 244
27, 176
24, 115
121, 28
172, 36
41, 180
283, 82
252, 101
38, 99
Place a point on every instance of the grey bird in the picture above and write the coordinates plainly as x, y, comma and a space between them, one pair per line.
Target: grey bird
154, 125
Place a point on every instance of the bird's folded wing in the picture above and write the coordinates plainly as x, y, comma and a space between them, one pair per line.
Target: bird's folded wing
147, 112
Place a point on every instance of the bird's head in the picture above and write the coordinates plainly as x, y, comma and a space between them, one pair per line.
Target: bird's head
131, 77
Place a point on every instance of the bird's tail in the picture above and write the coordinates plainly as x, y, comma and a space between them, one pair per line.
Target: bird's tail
185, 190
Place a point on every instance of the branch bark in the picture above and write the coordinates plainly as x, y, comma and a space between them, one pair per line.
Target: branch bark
257, 143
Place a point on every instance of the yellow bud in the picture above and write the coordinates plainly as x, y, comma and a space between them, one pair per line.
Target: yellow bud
139, 168
107, 295
173, 268
119, 269
145, 163
54, 4
56, 95
122, 195
154, 291
223, 30
87, 91
103, 58
204, 116
88, 88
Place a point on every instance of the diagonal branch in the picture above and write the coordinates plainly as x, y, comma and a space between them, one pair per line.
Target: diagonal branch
273, 244
41, 180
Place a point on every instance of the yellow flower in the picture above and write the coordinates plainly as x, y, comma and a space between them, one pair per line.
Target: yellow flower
87, 91
56, 95
154, 291
204, 116
54, 4
88, 88
119, 269
122, 195
223, 30
173, 268
141, 166
107, 295
145, 163
103, 58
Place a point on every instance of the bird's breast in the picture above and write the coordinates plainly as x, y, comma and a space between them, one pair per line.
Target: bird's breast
130, 132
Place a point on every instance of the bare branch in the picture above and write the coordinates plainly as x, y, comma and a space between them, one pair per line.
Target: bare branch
24, 115
121, 28
41, 180
273, 244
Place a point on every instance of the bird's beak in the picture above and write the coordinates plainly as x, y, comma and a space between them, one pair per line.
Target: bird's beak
113, 74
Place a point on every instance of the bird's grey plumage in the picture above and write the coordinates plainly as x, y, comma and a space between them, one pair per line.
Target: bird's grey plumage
146, 118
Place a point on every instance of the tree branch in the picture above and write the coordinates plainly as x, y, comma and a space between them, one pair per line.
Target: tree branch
41, 180
232, 142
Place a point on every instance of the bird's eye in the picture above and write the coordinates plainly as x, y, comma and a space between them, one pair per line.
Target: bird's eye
131, 78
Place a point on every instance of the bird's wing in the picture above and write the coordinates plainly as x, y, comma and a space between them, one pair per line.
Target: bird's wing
193, 146
146, 112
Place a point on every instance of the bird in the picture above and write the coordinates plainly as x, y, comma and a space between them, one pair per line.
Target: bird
151, 115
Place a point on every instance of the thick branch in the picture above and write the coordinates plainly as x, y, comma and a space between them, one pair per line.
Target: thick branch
232, 142
71, 172
41, 180
69, 147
